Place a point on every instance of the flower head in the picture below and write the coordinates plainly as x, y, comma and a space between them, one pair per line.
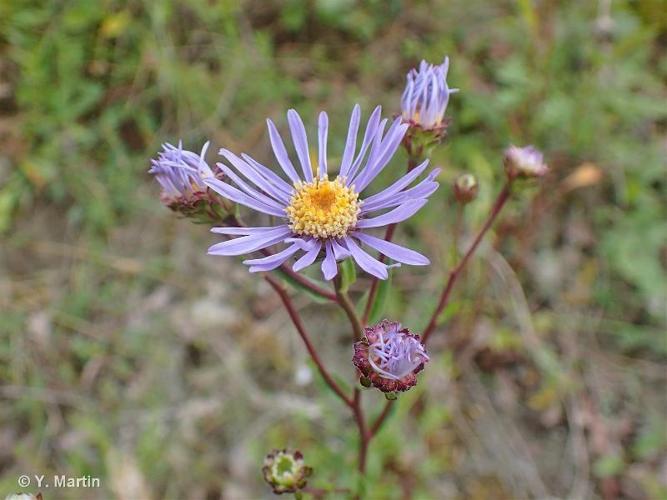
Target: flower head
318, 214
465, 188
180, 174
285, 471
390, 357
527, 161
426, 95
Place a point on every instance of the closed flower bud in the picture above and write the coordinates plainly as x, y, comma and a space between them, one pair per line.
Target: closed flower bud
390, 357
285, 471
465, 188
524, 162
423, 106
180, 174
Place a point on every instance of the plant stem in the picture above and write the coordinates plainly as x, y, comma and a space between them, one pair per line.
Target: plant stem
296, 319
364, 435
345, 303
377, 424
454, 273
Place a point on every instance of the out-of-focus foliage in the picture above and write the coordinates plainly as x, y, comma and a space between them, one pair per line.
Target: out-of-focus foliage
126, 353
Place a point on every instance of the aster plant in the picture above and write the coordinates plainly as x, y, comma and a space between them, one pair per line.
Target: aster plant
322, 213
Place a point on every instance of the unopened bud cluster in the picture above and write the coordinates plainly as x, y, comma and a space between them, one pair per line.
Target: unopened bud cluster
285, 471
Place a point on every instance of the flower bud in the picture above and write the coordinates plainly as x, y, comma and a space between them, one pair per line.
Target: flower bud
390, 357
285, 471
524, 162
465, 188
423, 106
180, 173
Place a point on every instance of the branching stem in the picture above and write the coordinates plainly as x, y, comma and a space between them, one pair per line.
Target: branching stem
502, 198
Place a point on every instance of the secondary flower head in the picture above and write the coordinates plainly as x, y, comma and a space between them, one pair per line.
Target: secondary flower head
426, 95
527, 161
465, 188
285, 471
318, 214
180, 174
390, 357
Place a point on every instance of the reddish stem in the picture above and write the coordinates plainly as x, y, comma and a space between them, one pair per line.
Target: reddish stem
454, 273
377, 424
296, 319
364, 435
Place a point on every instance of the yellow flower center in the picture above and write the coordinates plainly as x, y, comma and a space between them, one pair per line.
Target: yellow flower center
323, 208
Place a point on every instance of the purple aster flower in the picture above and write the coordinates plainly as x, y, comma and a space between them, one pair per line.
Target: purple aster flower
390, 357
527, 161
318, 215
180, 174
426, 95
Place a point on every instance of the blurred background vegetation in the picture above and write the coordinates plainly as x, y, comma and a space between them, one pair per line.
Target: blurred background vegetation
128, 354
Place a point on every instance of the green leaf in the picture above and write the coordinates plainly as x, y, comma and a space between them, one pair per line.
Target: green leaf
377, 309
608, 465
300, 287
348, 274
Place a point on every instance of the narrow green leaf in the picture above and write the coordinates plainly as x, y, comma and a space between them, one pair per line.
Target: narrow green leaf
348, 274
377, 309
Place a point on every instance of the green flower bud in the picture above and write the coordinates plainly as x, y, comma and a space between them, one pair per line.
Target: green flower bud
285, 471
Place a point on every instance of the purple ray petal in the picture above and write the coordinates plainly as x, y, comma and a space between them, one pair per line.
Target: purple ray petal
365, 261
300, 141
227, 191
369, 135
308, 258
351, 141
399, 184
302, 243
251, 243
386, 152
421, 191
329, 267
272, 261
339, 251
322, 130
280, 153
253, 193
246, 230
254, 176
408, 209
203, 169
392, 250
269, 174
